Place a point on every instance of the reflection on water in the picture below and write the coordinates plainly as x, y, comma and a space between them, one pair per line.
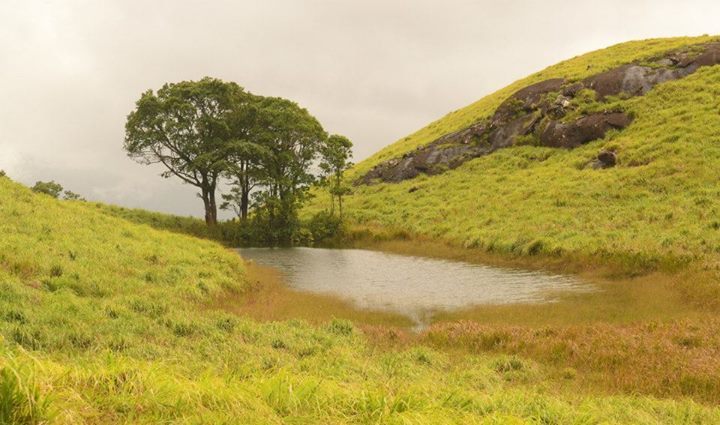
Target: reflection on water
413, 286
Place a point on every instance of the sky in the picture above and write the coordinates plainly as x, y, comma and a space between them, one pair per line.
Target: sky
373, 70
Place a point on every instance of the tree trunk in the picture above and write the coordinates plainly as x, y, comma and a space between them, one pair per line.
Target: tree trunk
208, 197
213, 208
245, 197
244, 201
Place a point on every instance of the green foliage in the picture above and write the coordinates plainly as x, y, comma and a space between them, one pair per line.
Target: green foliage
325, 226
203, 131
335, 160
55, 189
72, 196
293, 139
50, 188
186, 127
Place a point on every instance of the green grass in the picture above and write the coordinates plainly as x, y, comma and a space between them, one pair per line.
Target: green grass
659, 206
187, 225
21, 400
108, 320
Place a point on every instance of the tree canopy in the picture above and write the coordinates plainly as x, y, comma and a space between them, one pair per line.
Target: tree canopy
213, 134
186, 127
55, 189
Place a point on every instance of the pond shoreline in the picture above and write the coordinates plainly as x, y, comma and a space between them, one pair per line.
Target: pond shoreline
650, 296
417, 287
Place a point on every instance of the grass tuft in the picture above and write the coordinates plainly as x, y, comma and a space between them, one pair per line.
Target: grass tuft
21, 400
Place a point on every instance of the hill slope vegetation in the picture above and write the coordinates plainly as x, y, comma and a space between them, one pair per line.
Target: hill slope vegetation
659, 203
106, 321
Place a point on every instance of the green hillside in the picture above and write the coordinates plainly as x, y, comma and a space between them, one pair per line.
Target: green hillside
105, 321
660, 203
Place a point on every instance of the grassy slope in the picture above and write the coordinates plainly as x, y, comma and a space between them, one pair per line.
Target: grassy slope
107, 319
661, 201
191, 226
573, 69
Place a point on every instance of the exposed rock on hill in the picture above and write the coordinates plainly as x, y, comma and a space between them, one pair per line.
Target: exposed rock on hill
548, 114
558, 134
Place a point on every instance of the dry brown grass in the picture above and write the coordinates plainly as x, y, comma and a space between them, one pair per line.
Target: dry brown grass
653, 333
269, 299
664, 359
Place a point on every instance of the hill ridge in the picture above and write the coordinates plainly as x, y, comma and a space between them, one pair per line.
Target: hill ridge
554, 113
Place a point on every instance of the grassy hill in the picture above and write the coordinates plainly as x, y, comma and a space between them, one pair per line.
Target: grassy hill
107, 321
659, 205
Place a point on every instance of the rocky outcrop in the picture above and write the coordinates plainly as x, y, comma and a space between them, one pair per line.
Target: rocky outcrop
544, 114
636, 80
558, 134
445, 153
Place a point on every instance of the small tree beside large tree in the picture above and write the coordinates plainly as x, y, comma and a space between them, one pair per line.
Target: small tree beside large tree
247, 158
335, 160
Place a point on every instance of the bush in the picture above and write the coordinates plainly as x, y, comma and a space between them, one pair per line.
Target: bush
50, 188
325, 226
302, 237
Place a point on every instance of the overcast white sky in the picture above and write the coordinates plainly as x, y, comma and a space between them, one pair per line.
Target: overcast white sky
373, 70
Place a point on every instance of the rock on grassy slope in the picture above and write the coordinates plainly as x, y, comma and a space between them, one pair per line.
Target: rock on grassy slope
658, 203
105, 321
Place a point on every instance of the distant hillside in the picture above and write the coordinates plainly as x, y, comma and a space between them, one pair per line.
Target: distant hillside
613, 153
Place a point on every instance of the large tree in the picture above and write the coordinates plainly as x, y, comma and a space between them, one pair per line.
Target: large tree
187, 128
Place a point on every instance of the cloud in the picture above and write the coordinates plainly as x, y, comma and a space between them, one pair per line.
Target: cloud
71, 70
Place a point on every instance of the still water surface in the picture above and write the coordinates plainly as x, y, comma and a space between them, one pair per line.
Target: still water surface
412, 286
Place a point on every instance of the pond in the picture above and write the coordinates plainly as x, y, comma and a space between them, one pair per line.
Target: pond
412, 286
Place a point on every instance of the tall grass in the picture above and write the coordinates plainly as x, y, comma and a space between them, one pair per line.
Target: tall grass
21, 400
